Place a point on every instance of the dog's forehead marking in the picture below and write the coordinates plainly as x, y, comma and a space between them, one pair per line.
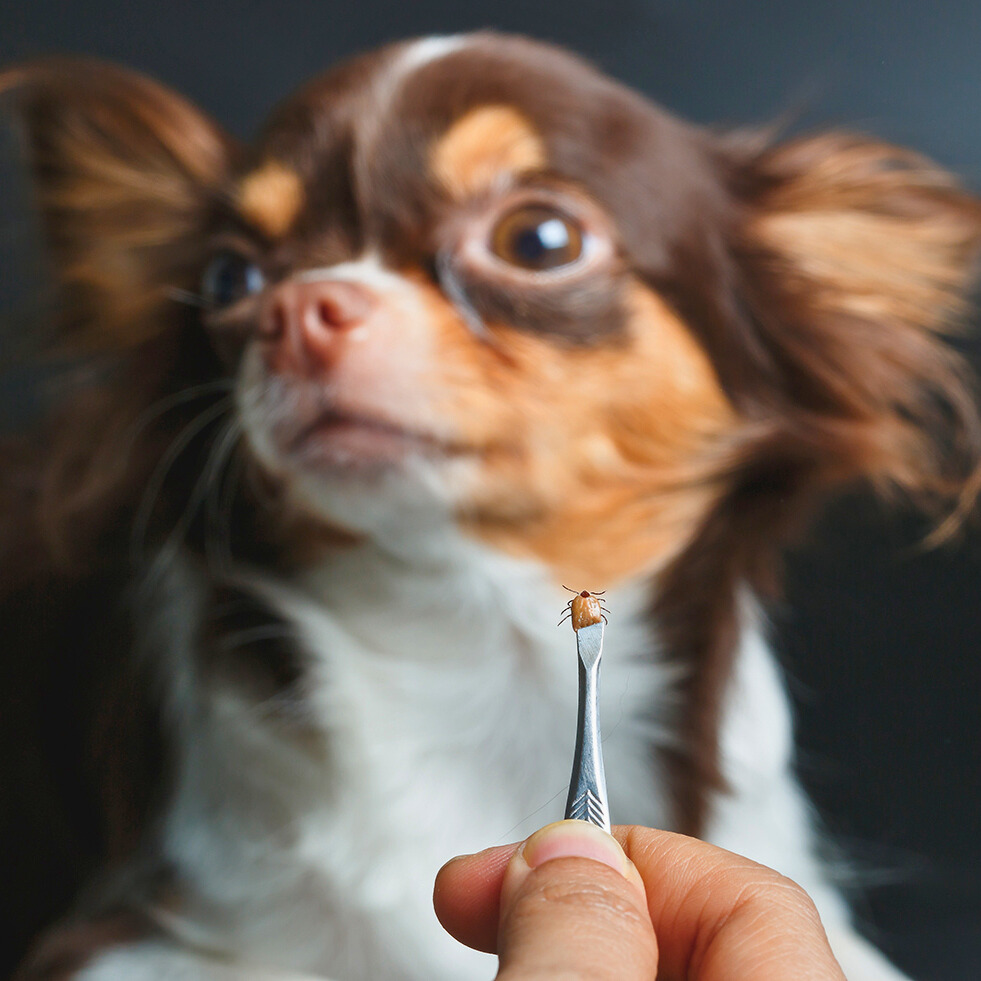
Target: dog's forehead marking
414, 56
428, 49
368, 269
382, 92
483, 146
271, 197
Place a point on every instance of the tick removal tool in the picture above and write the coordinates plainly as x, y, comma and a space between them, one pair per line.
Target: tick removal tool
587, 788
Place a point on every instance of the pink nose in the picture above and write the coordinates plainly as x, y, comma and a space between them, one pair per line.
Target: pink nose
304, 324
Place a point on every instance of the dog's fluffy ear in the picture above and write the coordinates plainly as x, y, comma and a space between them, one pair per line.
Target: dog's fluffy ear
124, 172
125, 175
855, 258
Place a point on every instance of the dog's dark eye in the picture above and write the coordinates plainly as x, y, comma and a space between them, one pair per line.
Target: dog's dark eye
230, 277
537, 237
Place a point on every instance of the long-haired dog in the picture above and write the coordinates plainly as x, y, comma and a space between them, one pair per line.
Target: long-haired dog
282, 565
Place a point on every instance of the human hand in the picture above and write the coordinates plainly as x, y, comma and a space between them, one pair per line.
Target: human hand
572, 903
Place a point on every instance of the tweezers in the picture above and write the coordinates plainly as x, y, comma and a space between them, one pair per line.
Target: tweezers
587, 788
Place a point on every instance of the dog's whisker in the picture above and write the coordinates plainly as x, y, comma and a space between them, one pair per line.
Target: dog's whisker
227, 489
186, 297
172, 401
241, 638
218, 546
218, 453
148, 503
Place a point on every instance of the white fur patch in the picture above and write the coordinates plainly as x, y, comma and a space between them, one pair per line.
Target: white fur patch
439, 718
367, 270
427, 50
153, 961
444, 700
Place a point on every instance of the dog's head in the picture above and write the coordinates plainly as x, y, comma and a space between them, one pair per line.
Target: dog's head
472, 280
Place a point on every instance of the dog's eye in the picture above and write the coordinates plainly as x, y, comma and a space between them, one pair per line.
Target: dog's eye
537, 237
230, 277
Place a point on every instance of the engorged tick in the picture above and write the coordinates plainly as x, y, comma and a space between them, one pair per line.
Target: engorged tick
585, 609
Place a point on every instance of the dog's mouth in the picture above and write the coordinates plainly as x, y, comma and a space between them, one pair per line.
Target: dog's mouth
341, 426
337, 439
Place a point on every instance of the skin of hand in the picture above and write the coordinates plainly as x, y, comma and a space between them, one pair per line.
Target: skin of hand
574, 902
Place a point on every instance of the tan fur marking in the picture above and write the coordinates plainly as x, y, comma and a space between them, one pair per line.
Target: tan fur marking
638, 473
483, 145
271, 198
600, 462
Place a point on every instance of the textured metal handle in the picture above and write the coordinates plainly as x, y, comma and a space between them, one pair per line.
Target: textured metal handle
587, 789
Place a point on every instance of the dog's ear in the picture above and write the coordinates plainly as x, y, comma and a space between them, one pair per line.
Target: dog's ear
854, 259
125, 173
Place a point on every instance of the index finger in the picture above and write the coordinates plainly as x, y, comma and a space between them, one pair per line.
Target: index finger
719, 916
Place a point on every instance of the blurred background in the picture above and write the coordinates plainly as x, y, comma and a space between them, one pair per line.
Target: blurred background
878, 636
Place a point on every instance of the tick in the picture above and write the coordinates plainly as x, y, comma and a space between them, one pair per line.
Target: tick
585, 609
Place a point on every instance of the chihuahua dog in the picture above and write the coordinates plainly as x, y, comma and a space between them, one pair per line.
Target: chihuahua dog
343, 413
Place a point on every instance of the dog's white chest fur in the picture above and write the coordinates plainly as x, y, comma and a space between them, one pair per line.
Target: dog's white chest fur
437, 717
442, 708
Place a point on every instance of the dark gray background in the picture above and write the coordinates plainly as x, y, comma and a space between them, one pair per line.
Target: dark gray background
879, 638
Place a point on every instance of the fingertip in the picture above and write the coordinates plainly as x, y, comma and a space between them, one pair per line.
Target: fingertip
573, 839
467, 895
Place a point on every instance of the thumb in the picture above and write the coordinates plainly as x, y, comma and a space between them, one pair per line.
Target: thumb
573, 905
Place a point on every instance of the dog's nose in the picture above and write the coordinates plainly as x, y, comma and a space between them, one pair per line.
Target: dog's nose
303, 323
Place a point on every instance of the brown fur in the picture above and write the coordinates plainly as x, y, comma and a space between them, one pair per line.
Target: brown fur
124, 172
848, 306
838, 365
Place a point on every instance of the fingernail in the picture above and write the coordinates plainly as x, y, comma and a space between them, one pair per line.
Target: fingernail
574, 839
